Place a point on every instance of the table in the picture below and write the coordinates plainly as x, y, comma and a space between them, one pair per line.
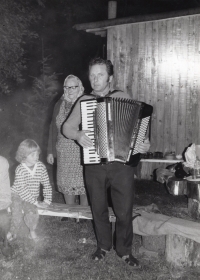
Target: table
161, 160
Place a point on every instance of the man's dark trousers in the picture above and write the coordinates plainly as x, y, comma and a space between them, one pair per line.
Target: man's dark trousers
121, 182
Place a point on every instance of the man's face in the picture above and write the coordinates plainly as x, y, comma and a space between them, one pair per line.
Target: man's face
99, 78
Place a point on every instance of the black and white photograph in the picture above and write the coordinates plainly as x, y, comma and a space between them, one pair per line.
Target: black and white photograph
99, 139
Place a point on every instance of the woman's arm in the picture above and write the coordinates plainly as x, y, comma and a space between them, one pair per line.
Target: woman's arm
53, 130
71, 126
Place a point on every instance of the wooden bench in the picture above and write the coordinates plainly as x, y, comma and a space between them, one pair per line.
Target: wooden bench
71, 211
179, 248
75, 211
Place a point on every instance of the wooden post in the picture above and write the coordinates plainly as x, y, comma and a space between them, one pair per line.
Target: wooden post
112, 9
113, 224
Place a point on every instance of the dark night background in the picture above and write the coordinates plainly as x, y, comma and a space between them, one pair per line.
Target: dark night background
73, 49
39, 47
57, 51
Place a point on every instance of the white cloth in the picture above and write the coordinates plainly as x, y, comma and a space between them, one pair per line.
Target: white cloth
163, 174
5, 192
158, 224
190, 156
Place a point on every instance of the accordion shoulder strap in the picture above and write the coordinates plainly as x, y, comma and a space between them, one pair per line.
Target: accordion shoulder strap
112, 92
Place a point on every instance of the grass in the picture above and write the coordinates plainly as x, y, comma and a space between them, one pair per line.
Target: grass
60, 253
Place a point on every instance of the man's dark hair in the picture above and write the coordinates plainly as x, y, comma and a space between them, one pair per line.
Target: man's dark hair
102, 61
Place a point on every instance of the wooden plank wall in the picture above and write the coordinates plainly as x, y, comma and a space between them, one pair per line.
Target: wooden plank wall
159, 63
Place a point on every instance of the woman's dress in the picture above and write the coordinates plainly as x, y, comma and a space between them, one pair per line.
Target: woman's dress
69, 169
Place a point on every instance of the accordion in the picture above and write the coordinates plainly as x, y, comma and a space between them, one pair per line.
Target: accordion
117, 127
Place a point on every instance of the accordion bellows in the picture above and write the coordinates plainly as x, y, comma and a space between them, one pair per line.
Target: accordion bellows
117, 126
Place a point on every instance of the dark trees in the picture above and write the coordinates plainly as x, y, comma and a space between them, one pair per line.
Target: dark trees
17, 18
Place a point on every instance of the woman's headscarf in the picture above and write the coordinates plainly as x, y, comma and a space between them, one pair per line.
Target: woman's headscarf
81, 88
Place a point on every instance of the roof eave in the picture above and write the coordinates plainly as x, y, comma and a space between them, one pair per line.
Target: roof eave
100, 27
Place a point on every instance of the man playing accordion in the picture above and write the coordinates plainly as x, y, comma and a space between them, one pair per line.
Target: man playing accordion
120, 176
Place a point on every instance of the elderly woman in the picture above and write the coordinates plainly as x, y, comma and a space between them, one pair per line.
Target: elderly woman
69, 169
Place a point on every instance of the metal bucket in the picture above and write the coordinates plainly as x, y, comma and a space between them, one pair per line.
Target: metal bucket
177, 186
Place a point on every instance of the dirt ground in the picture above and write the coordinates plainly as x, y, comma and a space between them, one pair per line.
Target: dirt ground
64, 249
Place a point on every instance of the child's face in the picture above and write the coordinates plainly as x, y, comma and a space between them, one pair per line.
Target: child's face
32, 158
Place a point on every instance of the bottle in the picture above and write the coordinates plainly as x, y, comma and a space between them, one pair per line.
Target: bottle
196, 170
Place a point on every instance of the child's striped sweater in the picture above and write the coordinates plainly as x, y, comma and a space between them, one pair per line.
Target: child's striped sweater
27, 182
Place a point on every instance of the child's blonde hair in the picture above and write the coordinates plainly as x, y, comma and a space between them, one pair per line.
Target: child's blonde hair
25, 148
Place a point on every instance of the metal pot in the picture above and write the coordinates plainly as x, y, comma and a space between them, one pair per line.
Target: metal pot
177, 186
158, 155
149, 155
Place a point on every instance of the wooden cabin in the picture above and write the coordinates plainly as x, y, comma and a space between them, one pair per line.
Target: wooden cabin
157, 60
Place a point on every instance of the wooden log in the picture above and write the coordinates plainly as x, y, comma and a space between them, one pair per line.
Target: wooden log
181, 251
154, 243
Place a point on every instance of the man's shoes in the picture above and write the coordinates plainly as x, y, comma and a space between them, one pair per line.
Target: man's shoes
99, 254
130, 260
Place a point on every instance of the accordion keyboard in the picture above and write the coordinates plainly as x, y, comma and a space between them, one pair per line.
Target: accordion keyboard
117, 128
87, 111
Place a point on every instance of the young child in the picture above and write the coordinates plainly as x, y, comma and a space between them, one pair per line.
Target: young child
29, 174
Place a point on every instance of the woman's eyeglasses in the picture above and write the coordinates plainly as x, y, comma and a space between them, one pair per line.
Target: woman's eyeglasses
68, 88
